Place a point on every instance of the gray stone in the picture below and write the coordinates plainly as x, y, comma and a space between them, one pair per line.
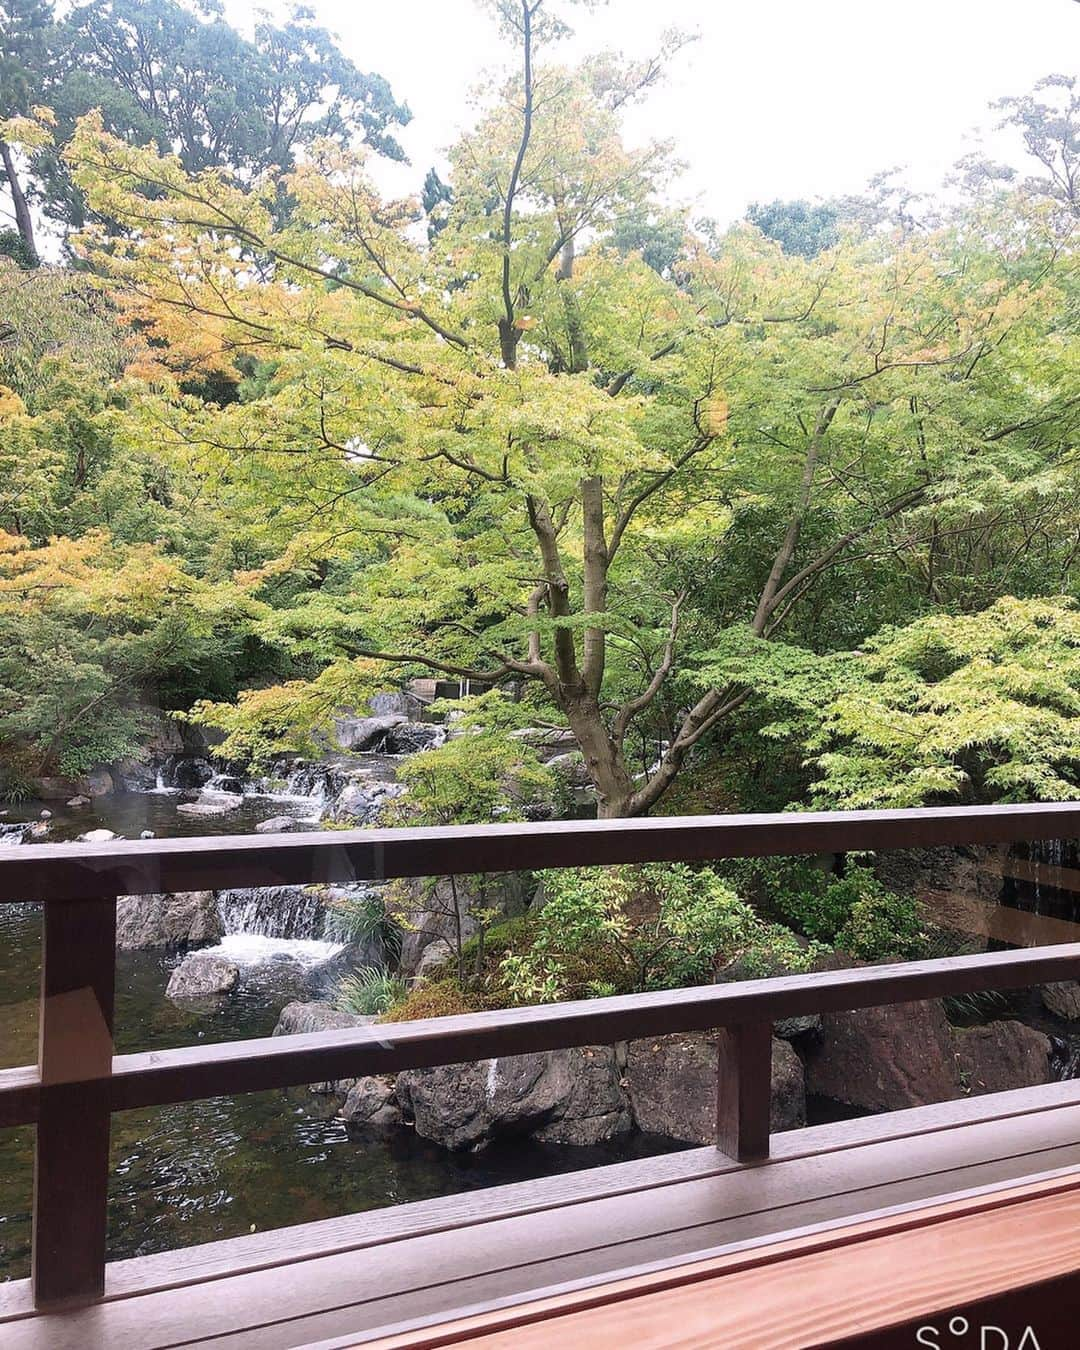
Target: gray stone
1001, 1056
396, 701
147, 834
371, 1104
1062, 999
277, 825
298, 1019
672, 1081
202, 975
171, 922
211, 806
97, 837
97, 783
78, 801
47, 815
134, 775
432, 959
365, 733
567, 1096
188, 771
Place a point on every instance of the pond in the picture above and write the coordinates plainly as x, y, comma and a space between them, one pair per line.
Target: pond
214, 1169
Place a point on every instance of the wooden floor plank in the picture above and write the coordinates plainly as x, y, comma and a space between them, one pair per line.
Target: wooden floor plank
820, 1297
438, 1272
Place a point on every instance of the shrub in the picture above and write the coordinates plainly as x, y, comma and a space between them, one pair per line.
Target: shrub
854, 911
627, 929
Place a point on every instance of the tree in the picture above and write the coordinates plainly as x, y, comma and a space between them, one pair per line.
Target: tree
520, 456
25, 33
179, 75
800, 227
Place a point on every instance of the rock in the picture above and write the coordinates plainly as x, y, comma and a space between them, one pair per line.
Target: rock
173, 922
96, 783
1062, 999
436, 955
411, 737
597, 1107
371, 1104
672, 1081
396, 701
791, 1028
76, 802
226, 782
147, 834
1001, 1056
135, 775
277, 825
211, 806
297, 1019
885, 1059
365, 733
203, 975
187, 771
97, 837
47, 815
566, 1096
55, 789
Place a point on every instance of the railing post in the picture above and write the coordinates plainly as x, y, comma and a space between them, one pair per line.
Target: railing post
744, 1090
71, 1161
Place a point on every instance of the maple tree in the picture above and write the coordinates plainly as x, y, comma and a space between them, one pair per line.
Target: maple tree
514, 452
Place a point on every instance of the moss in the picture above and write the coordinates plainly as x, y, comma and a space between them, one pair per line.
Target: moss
444, 998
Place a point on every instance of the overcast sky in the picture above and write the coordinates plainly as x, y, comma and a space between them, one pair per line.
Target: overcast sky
778, 98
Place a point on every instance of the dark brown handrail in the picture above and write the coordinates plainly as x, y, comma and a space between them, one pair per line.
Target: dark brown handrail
79, 1077
144, 867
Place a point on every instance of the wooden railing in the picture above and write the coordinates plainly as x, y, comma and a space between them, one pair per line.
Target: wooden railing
78, 1082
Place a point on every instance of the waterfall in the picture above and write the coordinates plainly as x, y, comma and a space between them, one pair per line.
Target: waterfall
293, 912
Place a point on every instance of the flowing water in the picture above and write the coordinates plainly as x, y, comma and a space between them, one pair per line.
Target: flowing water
205, 1170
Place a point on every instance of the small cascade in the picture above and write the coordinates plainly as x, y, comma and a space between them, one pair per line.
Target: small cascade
292, 912
13, 832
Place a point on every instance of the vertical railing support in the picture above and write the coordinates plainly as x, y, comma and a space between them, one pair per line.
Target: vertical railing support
71, 1161
744, 1091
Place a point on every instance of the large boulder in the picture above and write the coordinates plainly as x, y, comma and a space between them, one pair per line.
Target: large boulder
202, 975
884, 1059
298, 1019
173, 922
366, 733
564, 1096
411, 737
1001, 1056
187, 771
1062, 999
396, 701
672, 1081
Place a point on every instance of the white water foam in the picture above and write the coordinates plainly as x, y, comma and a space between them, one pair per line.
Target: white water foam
253, 949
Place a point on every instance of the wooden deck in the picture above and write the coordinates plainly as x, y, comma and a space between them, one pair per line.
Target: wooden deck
392, 1273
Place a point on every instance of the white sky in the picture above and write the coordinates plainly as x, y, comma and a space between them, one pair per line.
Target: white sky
778, 98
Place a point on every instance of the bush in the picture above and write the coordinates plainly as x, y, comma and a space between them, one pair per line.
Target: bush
628, 929
854, 911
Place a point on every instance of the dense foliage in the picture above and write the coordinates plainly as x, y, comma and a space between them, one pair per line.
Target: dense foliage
771, 515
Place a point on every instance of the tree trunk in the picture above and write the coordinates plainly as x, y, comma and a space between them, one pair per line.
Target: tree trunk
23, 219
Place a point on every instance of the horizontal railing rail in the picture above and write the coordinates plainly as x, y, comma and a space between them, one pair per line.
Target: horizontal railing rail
78, 1077
144, 867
